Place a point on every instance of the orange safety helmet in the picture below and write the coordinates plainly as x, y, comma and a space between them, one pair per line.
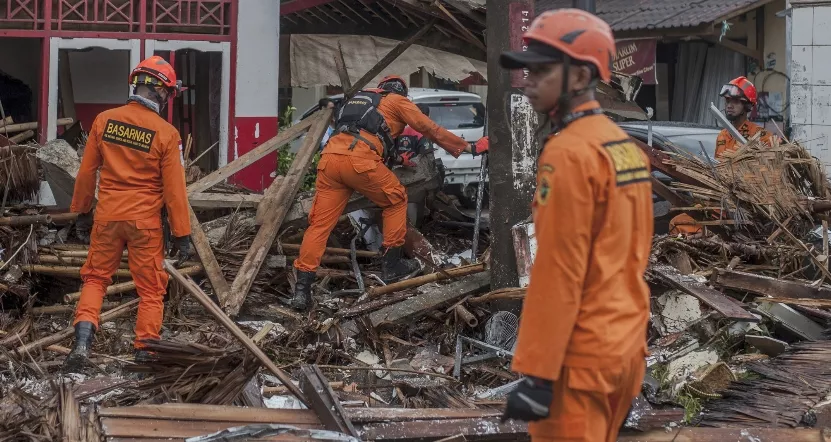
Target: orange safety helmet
156, 71
578, 34
741, 88
393, 83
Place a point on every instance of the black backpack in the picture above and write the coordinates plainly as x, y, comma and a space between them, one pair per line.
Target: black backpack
361, 112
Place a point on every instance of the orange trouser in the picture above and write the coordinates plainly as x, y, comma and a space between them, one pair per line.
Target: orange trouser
590, 404
337, 177
145, 245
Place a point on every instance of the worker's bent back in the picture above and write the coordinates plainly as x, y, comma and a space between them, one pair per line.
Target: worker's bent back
141, 168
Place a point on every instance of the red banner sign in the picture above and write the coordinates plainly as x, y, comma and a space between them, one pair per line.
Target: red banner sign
521, 13
637, 57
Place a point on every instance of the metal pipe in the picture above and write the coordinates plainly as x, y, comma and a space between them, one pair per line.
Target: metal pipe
586, 5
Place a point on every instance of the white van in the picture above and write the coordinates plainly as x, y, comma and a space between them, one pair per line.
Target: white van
463, 114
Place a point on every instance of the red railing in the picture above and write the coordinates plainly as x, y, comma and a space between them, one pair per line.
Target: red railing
182, 15
151, 16
21, 14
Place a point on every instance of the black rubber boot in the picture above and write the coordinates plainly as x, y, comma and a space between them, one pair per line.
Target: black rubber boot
143, 356
395, 267
302, 299
79, 356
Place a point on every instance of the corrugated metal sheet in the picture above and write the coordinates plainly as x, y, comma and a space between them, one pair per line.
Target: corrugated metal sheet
630, 15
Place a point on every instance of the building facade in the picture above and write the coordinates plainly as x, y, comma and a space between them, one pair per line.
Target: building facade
73, 57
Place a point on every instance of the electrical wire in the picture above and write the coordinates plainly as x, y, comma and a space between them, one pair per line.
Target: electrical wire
761, 88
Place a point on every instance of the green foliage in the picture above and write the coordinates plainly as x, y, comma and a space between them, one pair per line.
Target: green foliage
285, 158
692, 405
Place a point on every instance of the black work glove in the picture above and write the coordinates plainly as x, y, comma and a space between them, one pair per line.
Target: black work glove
180, 250
83, 226
531, 401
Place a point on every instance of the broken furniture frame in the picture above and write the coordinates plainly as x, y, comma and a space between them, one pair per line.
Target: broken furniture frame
493, 352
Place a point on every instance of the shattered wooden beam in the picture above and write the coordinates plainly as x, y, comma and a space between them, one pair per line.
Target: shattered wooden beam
465, 31
68, 332
427, 430
226, 322
343, 74
767, 286
203, 200
268, 232
703, 434
430, 299
389, 58
728, 307
206, 255
266, 206
221, 174
324, 401
666, 193
458, 272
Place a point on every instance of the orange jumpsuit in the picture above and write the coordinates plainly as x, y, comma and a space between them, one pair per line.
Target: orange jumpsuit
141, 168
725, 142
342, 171
585, 315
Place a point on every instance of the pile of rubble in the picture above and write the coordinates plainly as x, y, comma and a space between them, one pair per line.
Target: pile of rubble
740, 303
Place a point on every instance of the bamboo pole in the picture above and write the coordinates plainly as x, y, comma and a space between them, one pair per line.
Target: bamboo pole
22, 136
226, 322
334, 251
130, 285
25, 220
458, 272
9, 128
66, 333
69, 261
69, 272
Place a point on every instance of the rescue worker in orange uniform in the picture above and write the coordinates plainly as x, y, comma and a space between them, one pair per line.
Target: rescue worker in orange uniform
139, 157
740, 96
582, 334
353, 160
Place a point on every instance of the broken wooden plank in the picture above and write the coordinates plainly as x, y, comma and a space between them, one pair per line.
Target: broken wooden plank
268, 232
324, 401
221, 174
728, 307
198, 412
792, 320
206, 255
266, 206
421, 430
803, 302
457, 272
430, 299
232, 327
387, 59
202, 200
465, 31
703, 434
334, 251
68, 332
343, 74
767, 286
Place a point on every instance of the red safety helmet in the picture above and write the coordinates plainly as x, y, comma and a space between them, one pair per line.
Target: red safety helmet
393, 83
740, 88
156, 71
578, 34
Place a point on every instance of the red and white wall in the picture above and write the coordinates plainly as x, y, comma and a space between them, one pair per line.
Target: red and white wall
255, 102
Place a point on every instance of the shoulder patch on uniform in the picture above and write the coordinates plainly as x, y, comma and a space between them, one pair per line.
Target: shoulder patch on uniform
721, 142
128, 135
630, 165
547, 168
543, 191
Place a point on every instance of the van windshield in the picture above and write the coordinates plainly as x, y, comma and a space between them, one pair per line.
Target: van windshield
458, 115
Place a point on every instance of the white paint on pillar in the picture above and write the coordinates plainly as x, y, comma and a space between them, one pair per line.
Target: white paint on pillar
523, 120
257, 130
258, 46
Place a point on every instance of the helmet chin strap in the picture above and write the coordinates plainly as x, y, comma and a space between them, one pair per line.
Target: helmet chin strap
562, 113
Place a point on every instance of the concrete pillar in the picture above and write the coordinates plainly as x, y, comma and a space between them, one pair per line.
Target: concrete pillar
257, 68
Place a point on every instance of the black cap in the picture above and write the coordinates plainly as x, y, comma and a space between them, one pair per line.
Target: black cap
537, 53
